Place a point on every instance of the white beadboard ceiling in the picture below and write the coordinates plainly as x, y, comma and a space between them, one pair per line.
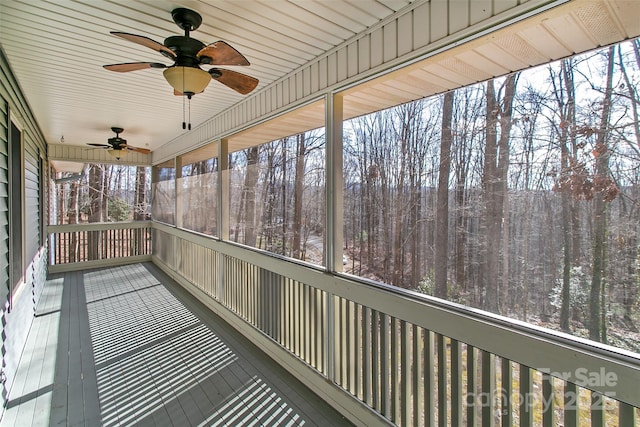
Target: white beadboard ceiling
57, 49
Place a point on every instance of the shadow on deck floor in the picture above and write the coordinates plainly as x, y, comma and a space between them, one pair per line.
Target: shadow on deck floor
128, 346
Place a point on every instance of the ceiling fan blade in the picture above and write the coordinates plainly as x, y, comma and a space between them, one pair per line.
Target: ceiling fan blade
221, 53
98, 145
133, 66
137, 149
146, 41
239, 82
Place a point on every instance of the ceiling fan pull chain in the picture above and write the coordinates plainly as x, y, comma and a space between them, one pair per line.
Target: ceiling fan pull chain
184, 122
189, 113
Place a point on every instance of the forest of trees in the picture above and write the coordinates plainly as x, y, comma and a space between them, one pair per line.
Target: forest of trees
101, 193
519, 195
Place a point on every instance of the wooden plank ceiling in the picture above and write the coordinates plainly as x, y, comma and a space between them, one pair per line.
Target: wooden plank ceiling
57, 48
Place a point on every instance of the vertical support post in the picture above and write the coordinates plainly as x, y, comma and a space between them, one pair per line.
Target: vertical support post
223, 189
223, 211
178, 220
334, 183
178, 192
333, 210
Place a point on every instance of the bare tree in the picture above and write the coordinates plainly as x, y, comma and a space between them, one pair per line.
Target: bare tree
442, 210
496, 163
603, 195
297, 195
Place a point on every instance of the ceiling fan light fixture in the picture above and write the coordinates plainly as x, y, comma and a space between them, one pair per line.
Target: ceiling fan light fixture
117, 154
187, 80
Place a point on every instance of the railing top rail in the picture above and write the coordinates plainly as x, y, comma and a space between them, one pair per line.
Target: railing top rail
97, 226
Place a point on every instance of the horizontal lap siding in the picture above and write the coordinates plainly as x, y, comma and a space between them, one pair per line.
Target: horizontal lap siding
32, 197
4, 202
16, 323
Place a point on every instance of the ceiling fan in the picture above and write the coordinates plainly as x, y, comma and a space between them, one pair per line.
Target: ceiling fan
185, 75
118, 146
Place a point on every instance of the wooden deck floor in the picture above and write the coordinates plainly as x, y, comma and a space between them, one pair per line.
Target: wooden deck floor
128, 346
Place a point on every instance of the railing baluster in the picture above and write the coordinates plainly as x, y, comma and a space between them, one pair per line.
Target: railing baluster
526, 398
321, 363
548, 407
308, 337
351, 347
287, 315
488, 388
456, 383
298, 320
626, 415
405, 372
375, 364
385, 407
471, 386
358, 351
429, 378
330, 338
443, 402
366, 356
506, 395
394, 414
313, 325
597, 409
571, 402
342, 343
418, 389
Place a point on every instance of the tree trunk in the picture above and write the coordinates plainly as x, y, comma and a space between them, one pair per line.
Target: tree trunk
249, 195
496, 164
140, 209
297, 197
72, 218
600, 210
442, 204
96, 200
567, 122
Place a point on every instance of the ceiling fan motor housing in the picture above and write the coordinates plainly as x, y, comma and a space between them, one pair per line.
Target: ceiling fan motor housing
116, 142
186, 49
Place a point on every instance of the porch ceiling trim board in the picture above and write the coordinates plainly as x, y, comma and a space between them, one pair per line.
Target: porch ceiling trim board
500, 44
552, 349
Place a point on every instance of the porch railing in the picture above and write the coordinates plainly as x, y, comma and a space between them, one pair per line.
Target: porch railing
81, 246
414, 360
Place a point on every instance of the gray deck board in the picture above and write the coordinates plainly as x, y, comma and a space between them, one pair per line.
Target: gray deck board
128, 346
